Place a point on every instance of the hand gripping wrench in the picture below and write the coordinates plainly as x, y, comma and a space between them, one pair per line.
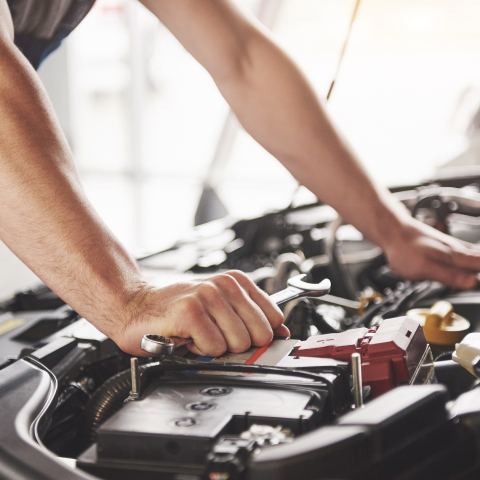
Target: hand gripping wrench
158, 345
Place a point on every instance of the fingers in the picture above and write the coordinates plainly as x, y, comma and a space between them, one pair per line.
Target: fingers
460, 254
249, 311
273, 314
434, 260
452, 276
432, 255
453, 264
243, 314
232, 325
207, 337
466, 256
281, 331
450, 250
240, 319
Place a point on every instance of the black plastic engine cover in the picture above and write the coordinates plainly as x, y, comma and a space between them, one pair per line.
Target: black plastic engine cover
177, 423
181, 421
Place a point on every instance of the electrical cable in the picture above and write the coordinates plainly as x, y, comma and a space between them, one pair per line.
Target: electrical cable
240, 368
396, 303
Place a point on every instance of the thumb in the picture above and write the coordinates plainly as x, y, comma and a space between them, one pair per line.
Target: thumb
281, 331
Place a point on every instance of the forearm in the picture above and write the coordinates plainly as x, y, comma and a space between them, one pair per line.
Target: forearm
277, 106
279, 109
45, 218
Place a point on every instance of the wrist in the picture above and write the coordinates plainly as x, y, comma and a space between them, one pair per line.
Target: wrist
116, 309
390, 224
136, 308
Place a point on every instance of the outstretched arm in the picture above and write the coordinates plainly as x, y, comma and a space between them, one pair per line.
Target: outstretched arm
278, 107
46, 220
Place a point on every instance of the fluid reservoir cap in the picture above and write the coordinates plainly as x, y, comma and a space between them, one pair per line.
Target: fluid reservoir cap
440, 324
467, 353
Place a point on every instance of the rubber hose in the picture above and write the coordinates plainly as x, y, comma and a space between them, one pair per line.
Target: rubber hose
107, 400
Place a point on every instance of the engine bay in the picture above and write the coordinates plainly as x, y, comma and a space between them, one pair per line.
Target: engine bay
378, 379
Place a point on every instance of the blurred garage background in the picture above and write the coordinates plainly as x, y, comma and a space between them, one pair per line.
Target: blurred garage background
149, 129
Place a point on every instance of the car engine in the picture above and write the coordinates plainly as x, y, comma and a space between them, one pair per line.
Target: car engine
378, 380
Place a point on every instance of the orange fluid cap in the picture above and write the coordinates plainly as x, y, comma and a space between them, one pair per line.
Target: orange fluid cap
440, 324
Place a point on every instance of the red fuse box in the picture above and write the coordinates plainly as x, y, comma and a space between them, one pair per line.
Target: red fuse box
391, 353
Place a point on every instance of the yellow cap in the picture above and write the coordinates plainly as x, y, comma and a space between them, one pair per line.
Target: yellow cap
440, 325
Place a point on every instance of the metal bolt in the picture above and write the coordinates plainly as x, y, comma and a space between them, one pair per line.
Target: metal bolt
200, 406
186, 422
453, 206
135, 372
357, 379
216, 391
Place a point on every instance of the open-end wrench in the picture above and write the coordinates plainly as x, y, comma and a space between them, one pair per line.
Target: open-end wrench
158, 345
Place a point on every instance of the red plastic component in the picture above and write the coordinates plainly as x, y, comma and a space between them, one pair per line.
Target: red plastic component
390, 352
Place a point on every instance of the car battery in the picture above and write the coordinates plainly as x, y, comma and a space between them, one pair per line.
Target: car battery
394, 352
170, 430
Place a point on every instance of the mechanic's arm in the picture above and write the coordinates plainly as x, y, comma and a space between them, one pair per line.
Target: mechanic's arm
46, 220
277, 106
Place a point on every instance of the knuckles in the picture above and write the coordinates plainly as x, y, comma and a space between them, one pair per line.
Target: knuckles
239, 276
240, 345
227, 283
215, 349
263, 339
209, 292
191, 307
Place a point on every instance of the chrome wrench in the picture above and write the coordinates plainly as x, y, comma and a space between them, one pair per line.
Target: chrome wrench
158, 345
297, 288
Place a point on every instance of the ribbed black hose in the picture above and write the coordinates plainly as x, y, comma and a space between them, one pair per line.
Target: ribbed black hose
107, 400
